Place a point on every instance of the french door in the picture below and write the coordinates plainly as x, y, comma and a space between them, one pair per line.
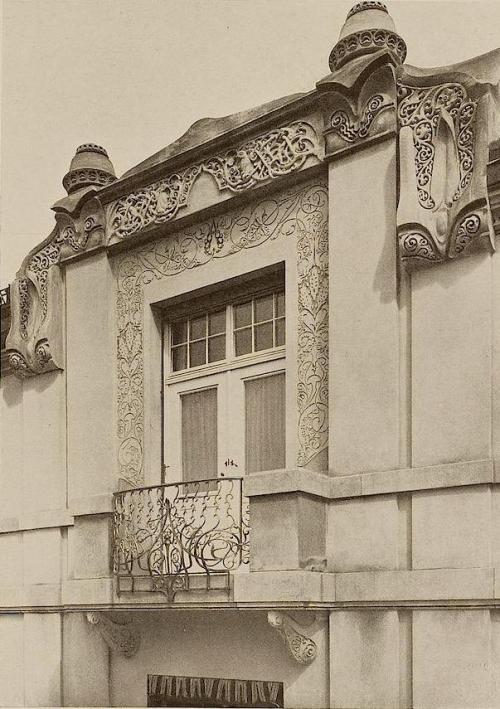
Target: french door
225, 424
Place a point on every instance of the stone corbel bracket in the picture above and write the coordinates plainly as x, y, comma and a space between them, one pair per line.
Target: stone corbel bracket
359, 104
120, 638
35, 340
301, 648
446, 121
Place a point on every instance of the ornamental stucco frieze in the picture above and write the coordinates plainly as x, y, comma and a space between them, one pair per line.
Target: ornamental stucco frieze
267, 157
35, 339
300, 212
358, 106
446, 120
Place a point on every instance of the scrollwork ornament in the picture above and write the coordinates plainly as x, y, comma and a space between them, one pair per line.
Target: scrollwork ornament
119, 638
266, 157
467, 230
352, 130
422, 109
301, 648
416, 244
19, 365
43, 354
300, 212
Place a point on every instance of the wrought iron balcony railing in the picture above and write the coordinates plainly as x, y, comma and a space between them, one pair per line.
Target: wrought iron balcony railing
179, 537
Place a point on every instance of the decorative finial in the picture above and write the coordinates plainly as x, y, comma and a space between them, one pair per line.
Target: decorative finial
367, 5
90, 166
367, 29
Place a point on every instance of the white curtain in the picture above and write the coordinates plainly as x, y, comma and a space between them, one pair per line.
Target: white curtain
265, 423
199, 434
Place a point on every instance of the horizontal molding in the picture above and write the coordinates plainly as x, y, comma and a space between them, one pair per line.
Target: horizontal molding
475, 472
44, 519
91, 505
416, 585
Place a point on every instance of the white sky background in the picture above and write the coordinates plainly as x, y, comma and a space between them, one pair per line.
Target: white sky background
133, 75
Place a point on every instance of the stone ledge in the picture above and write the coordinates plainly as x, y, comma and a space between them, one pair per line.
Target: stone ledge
91, 591
273, 482
33, 595
435, 476
277, 586
91, 505
36, 520
421, 585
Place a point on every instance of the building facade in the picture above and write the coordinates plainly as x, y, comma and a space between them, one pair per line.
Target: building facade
251, 406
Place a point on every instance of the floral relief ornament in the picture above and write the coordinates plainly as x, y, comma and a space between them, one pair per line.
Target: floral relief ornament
266, 157
299, 212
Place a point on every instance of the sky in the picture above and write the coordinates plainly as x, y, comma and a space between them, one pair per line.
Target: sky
133, 75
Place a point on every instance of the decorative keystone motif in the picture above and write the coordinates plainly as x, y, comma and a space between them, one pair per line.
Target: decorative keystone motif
120, 638
301, 648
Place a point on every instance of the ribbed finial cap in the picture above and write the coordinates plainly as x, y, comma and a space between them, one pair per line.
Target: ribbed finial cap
368, 28
90, 166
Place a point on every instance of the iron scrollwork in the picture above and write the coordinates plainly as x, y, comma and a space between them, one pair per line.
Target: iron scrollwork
168, 534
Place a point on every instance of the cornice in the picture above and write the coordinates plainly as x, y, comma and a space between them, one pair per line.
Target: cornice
197, 153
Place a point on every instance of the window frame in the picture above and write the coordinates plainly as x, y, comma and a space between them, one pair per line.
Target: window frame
231, 360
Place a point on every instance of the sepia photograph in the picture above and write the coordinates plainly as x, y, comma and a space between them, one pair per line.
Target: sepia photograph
250, 354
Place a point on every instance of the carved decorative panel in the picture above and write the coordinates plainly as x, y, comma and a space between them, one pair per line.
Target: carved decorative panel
444, 123
35, 338
300, 213
266, 157
301, 648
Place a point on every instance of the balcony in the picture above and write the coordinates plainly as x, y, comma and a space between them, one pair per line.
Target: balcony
185, 536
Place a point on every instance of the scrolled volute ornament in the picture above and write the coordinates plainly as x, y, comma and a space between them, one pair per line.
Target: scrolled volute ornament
120, 638
446, 121
301, 648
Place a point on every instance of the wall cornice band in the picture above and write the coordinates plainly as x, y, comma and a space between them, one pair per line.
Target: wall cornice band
445, 120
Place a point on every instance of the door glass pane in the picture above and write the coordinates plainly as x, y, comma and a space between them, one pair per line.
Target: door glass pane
216, 348
179, 332
243, 341
265, 423
197, 353
198, 328
280, 304
179, 358
217, 322
199, 434
264, 308
243, 314
263, 336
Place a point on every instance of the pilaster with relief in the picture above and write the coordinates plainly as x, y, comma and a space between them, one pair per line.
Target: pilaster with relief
35, 343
